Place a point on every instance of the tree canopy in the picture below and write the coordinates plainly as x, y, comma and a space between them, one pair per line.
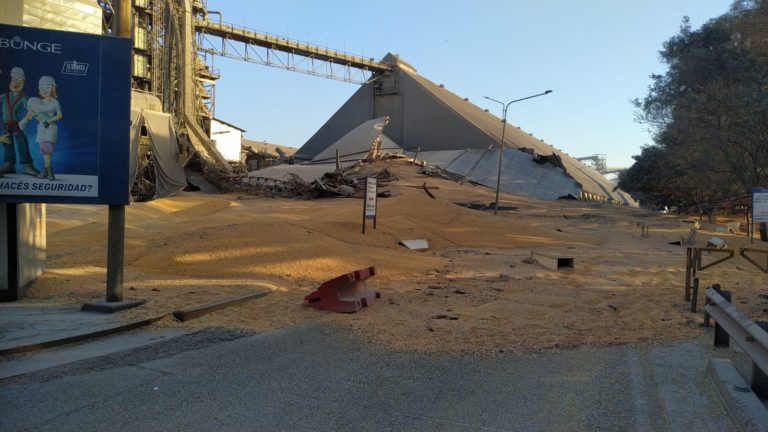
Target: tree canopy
708, 114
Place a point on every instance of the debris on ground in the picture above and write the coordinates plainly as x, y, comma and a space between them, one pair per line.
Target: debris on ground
716, 242
418, 244
345, 182
197, 248
345, 293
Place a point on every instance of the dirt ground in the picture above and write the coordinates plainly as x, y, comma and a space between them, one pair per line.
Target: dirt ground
473, 291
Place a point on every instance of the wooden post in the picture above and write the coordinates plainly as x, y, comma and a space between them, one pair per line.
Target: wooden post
695, 295
688, 254
695, 262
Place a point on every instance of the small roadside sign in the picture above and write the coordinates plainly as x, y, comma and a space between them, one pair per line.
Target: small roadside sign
369, 206
760, 204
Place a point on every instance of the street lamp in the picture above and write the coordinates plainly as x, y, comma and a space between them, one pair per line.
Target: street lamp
501, 143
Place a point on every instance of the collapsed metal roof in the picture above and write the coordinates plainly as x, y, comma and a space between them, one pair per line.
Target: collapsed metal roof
365, 140
427, 118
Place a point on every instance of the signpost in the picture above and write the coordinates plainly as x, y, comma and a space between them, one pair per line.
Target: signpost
369, 206
759, 211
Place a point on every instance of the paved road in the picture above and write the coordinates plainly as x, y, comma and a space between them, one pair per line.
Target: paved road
316, 377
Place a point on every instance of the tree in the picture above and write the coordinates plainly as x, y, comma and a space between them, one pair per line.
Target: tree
708, 113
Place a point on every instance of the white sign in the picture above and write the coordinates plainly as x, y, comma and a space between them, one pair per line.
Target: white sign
760, 205
67, 185
370, 198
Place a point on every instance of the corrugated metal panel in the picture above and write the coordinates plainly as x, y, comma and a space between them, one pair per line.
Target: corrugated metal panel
431, 123
358, 109
440, 158
357, 143
390, 106
308, 173
591, 181
427, 116
520, 174
466, 163
68, 15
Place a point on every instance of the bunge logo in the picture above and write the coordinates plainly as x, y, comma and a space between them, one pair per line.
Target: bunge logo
18, 43
74, 68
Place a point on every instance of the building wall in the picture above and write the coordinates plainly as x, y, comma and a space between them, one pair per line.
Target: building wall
355, 111
11, 12
227, 140
423, 120
69, 15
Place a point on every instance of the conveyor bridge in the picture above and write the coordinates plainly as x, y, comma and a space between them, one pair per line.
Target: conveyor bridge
228, 40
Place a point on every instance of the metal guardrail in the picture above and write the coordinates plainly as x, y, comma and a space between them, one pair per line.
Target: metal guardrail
747, 334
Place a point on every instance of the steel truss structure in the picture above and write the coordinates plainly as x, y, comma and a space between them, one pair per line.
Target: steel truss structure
240, 43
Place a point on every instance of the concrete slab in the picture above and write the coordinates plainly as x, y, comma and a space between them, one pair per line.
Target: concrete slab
111, 307
25, 328
553, 262
418, 244
81, 351
198, 311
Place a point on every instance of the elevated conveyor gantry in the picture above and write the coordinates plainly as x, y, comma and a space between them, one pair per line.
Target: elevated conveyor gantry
228, 40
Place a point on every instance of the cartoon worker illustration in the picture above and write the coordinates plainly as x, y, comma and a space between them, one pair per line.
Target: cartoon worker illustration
47, 111
11, 134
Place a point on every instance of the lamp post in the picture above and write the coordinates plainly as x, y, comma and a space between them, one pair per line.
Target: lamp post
501, 143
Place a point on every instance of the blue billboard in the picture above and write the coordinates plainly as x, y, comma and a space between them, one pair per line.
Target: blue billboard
64, 117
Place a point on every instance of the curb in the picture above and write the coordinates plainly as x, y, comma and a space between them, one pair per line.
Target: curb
198, 311
81, 337
738, 397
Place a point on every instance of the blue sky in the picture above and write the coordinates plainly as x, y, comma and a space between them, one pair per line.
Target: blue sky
596, 56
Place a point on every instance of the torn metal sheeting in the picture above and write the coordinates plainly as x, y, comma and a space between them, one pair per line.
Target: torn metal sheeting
313, 181
418, 244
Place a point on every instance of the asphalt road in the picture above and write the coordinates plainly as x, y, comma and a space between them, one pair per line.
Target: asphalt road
316, 377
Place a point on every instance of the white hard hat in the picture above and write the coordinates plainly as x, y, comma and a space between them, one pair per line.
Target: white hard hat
47, 81
17, 73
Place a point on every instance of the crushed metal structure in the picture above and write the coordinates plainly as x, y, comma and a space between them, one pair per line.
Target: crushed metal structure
174, 42
450, 133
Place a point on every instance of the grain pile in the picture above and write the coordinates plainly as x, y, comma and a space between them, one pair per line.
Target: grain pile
473, 291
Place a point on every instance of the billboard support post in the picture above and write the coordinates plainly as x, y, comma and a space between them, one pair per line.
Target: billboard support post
115, 252
116, 221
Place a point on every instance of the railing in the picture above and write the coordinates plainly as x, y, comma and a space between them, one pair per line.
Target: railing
747, 334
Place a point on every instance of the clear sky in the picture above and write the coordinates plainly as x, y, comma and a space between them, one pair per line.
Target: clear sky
596, 55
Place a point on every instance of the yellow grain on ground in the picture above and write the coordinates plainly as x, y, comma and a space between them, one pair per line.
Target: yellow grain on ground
473, 290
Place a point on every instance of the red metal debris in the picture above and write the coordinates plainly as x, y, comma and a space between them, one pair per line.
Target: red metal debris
345, 293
